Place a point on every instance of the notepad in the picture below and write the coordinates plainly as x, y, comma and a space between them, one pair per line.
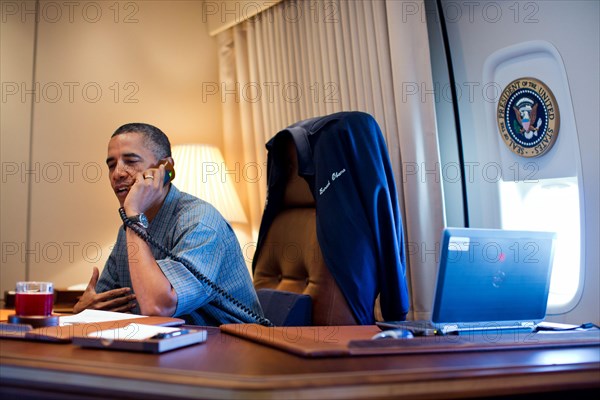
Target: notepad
133, 332
142, 338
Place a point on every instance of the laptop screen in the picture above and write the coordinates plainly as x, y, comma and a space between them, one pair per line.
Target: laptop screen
489, 275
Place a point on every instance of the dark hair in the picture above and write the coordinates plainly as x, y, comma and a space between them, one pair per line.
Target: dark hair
154, 138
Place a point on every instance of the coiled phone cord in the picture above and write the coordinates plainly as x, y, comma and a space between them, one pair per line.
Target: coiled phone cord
201, 277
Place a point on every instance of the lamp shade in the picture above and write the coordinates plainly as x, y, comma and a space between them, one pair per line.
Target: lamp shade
201, 171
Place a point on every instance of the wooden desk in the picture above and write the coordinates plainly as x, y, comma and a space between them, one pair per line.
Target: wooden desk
230, 367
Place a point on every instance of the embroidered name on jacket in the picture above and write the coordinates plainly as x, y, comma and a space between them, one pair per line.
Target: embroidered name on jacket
334, 176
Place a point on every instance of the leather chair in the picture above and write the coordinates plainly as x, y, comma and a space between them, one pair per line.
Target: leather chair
290, 259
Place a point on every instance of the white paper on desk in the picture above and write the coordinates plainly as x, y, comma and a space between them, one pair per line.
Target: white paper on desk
93, 316
132, 332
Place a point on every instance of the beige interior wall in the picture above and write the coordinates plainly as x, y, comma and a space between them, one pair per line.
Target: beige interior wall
99, 65
16, 55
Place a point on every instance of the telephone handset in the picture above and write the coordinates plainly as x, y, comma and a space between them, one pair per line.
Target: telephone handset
201, 277
169, 170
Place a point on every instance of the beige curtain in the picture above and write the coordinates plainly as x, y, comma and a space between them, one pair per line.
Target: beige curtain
301, 59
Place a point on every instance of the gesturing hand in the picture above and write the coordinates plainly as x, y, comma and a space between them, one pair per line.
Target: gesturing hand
119, 300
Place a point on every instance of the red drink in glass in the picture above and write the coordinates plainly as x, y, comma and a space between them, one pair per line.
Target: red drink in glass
34, 304
34, 298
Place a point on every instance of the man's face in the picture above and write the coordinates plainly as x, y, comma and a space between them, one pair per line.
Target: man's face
127, 155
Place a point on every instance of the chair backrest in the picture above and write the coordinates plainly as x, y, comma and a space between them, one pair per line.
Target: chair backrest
290, 258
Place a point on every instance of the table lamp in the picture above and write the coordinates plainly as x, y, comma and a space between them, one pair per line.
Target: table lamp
201, 171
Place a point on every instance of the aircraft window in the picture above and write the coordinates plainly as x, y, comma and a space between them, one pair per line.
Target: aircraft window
550, 205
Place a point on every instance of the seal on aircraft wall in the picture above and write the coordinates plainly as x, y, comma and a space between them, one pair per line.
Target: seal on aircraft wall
528, 117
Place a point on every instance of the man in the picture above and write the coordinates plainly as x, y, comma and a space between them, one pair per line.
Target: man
139, 277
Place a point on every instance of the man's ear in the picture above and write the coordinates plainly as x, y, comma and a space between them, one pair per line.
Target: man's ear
163, 161
169, 168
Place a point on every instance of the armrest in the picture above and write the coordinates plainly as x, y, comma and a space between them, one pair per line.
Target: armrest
286, 308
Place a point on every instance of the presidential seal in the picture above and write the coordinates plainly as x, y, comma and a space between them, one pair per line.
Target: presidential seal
528, 117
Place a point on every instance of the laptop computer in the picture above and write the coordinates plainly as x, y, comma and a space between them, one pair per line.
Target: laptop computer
488, 279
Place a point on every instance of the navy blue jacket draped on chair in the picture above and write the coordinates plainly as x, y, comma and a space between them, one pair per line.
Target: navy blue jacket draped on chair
344, 159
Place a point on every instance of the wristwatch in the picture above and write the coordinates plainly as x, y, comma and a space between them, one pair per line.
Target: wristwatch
140, 219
